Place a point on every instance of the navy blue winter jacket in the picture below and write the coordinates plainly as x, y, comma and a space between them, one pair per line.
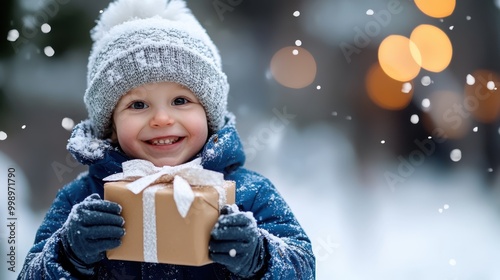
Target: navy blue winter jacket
289, 252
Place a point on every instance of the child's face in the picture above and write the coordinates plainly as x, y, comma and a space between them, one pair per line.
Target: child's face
163, 123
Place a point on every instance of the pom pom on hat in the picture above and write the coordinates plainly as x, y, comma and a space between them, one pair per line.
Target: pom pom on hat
124, 10
146, 41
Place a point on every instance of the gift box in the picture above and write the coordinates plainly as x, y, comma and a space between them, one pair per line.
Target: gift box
169, 212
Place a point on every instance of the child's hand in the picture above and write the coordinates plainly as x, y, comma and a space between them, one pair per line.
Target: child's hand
93, 226
236, 242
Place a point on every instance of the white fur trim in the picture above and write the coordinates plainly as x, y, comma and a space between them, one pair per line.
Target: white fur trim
122, 11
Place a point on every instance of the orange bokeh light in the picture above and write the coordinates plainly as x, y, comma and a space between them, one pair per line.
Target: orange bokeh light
399, 57
436, 8
384, 91
482, 99
434, 46
293, 67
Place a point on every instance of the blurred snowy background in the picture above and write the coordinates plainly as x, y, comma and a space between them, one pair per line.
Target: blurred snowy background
349, 150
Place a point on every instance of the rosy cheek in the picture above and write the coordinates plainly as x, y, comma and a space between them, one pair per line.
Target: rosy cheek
124, 139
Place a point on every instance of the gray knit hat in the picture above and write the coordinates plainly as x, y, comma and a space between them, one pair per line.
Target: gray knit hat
144, 41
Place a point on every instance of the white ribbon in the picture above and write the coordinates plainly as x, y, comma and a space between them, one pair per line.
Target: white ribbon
143, 174
149, 220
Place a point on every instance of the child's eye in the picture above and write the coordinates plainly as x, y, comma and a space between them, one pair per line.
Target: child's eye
180, 101
138, 105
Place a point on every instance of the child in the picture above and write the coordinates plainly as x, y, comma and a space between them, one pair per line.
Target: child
156, 91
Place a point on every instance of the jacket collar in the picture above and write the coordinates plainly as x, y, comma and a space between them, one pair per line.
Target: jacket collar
223, 152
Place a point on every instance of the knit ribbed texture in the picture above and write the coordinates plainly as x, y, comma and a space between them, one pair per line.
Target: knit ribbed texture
153, 49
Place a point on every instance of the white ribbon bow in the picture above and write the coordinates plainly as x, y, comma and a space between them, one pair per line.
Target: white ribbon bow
143, 174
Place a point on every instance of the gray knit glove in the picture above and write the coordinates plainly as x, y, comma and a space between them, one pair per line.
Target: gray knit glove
237, 243
93, 226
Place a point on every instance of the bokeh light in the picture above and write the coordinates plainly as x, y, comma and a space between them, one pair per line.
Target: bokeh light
293, 67
386, 92
399, 58
436, 9
481, 99
435, 49
449, 114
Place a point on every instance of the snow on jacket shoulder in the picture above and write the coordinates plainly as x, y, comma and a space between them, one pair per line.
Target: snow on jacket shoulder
289, 249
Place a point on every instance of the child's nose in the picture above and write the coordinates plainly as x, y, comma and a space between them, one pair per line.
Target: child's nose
160, 118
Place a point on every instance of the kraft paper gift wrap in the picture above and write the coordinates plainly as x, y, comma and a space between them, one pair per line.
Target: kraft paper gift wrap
169, 212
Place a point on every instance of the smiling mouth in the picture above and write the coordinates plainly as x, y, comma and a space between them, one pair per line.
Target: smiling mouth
165, 141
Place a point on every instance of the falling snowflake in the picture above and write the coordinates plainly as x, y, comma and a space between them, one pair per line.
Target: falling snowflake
13, 35
426, 80
406, 87
46, 28
370, 12
232, 252
456, 155
67, 124
414, 119
48, 51
426, 103
3, 135
470, 80
491, 85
